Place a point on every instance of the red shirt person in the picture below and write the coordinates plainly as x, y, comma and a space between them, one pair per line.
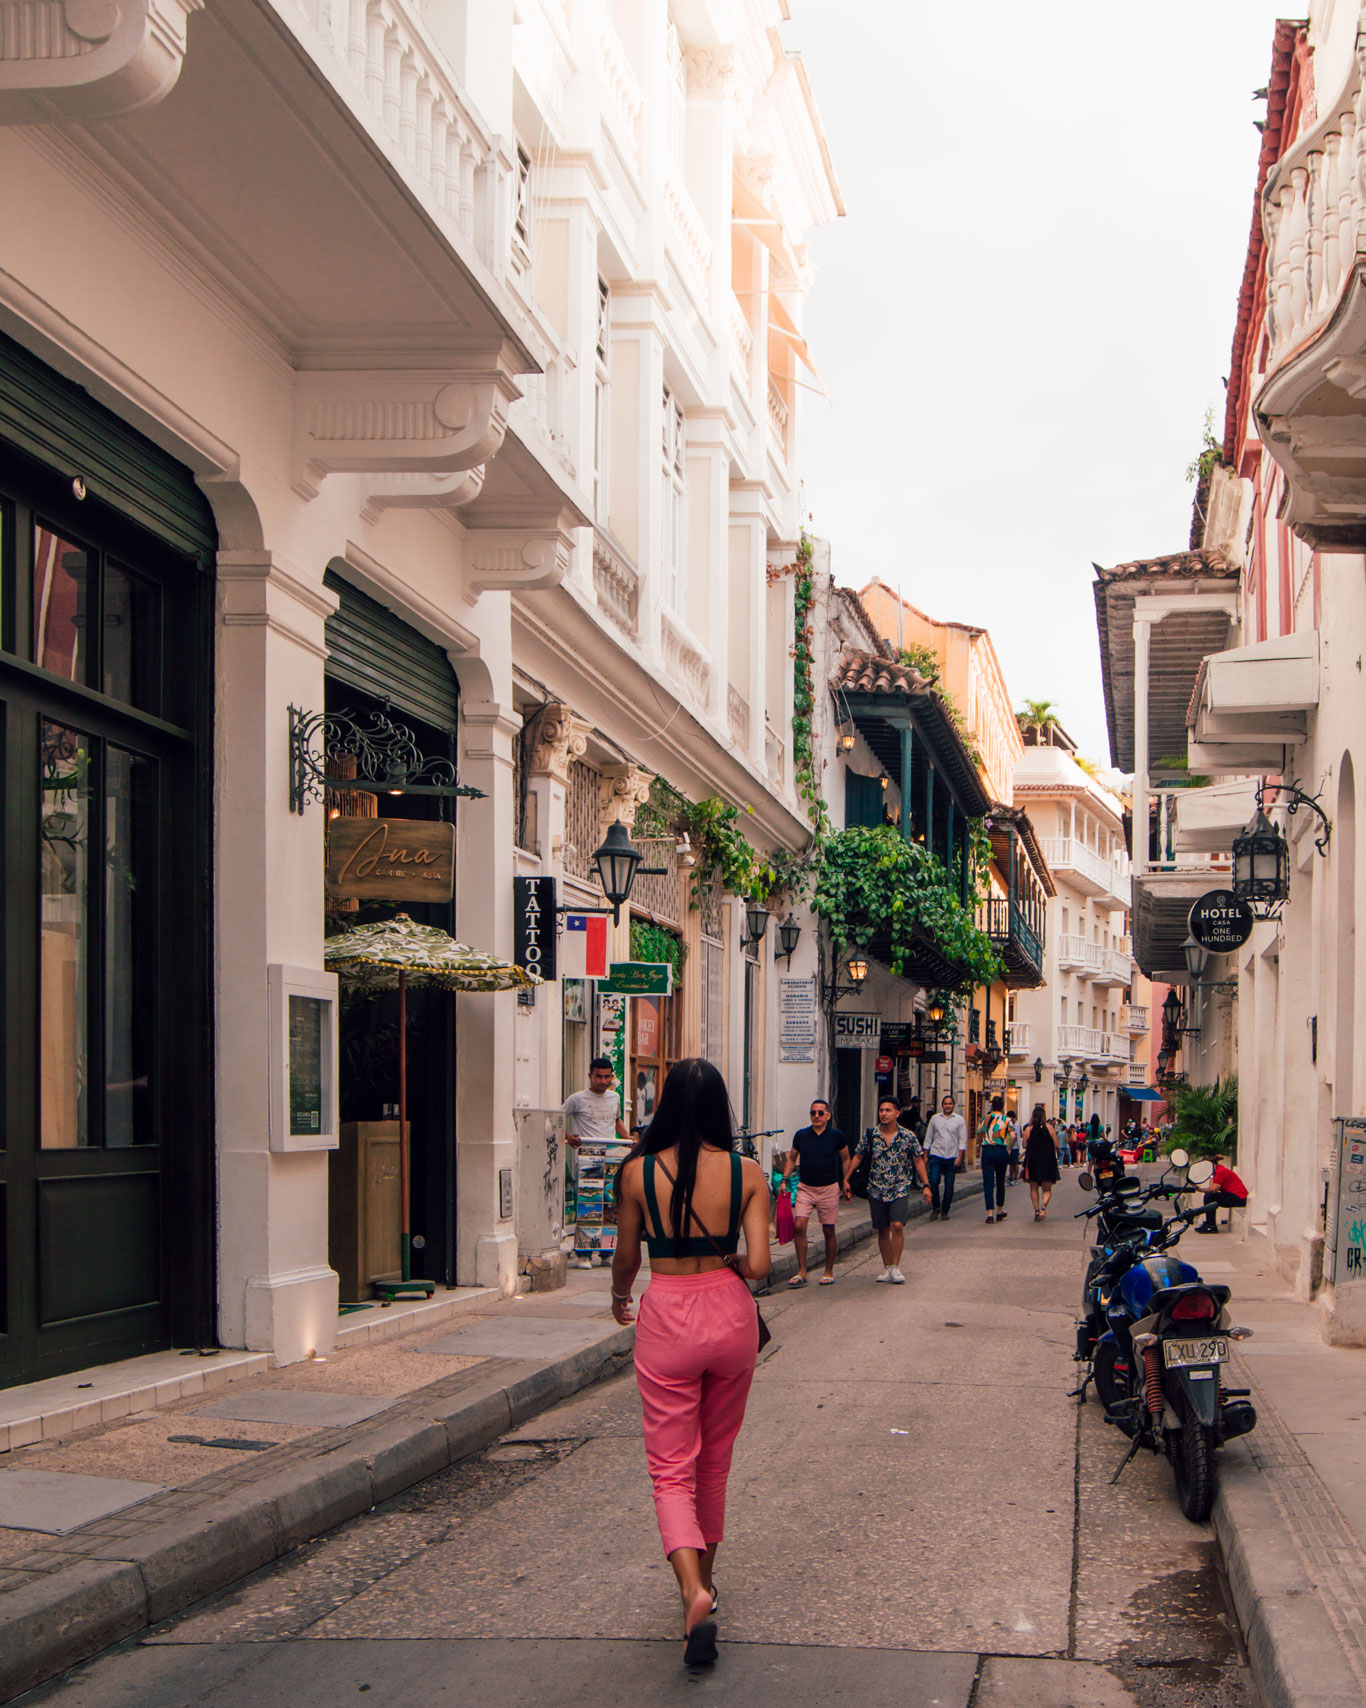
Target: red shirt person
1225, 1191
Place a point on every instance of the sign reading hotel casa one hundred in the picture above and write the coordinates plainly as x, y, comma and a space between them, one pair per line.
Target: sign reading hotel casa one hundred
390, 859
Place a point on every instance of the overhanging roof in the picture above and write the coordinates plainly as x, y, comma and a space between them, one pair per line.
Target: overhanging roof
1180, 644
882, 695
1018, 819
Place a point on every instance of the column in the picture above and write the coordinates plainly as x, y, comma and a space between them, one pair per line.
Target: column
907, 759
276, 1292
1143, 628
486, 1242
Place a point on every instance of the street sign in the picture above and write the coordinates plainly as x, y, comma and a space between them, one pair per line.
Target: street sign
1220, 921
935, 1056
883, 1064
534, 935
637, 978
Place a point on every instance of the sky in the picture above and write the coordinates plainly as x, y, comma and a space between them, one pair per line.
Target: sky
1029, 306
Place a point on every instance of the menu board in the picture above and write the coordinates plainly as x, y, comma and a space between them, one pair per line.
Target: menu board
305, 1065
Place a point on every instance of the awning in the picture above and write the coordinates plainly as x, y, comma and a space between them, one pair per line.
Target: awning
1141, 1093
748, 210
783, 337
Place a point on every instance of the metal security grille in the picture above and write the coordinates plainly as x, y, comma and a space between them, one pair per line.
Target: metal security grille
712, 907
582, 819
713, 1002
372, 649
659, 896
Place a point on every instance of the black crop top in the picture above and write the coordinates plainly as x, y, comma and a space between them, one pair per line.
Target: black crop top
662, 1244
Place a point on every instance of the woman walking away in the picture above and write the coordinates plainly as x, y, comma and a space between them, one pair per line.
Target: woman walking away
998, 1134
685, 1190
897, 1158
1041, 1161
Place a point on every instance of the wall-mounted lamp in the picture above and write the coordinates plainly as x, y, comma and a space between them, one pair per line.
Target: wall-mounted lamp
789, 933
757, 917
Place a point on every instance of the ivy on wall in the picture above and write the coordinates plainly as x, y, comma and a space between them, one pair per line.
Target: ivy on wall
653, 943
873, 882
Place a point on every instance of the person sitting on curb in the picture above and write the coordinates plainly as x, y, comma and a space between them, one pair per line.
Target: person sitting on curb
1224, 1192
821, 1153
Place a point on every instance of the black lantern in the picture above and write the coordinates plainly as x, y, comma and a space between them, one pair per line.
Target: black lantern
756, 923
788, 933
858, 969
1038, 1069
847, 738
1197, 959
1261, 862
935, 1009
1172, 1013
617, 861
1082, 1084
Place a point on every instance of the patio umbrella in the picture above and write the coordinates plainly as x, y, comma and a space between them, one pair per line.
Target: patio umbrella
391, 954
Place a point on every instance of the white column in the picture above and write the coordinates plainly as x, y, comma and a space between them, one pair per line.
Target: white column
276, 1292
486, 1242
1143, 628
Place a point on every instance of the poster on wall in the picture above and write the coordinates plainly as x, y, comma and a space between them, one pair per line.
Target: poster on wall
797, 1020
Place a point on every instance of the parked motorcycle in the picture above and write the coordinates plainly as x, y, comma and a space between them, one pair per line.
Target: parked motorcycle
1157, 1365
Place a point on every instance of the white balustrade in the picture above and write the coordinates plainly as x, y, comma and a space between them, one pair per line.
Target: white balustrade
1314, 216
687, 229
777, 418
622, 97
741, 340
1020, 1044
1083, 1041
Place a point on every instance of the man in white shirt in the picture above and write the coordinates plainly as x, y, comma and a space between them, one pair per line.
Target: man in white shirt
595, 1113
946, 1141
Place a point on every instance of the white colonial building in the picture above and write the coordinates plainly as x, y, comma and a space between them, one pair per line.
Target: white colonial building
434, 363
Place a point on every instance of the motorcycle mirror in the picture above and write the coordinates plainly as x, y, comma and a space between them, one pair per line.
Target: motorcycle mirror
1086, 1182
1200, 1172
1179, 1159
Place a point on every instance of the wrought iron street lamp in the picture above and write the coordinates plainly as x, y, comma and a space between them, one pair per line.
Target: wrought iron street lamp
858, 970
1197, 959
757, 917
848, 736
789, 933
1082, 1084
1038, 1070
1261, 862
617, 861
935, 1009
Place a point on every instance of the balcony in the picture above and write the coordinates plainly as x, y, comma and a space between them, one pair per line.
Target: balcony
1113, 966
1072, 951
1138, 1073
1019, 1039
1080, 1042
1173, 878
1086, 869
1017, 940
1309, 406
1252, 704
1134, 1018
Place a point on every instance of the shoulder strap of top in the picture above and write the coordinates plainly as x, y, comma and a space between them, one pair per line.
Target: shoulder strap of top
733, 1226
651, 1202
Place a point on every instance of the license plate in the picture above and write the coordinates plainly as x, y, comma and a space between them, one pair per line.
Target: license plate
1177, 1354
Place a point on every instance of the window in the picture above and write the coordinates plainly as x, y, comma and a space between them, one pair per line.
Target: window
673, 503
601, 402
521, 218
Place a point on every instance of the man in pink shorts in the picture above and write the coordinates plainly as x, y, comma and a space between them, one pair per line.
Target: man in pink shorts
821, 1154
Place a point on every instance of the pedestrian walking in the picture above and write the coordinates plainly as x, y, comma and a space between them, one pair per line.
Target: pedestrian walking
686, 1192
1041, 1161
896, 1161
821, 1151
998, 1132
946, 1146
1224, 1192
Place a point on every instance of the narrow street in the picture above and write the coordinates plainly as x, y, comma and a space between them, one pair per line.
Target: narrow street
918, 1514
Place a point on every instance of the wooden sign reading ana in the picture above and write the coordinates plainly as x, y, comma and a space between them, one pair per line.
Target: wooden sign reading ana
390, 859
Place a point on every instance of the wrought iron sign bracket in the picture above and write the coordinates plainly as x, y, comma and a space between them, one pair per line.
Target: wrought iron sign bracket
1298, 799
387, 759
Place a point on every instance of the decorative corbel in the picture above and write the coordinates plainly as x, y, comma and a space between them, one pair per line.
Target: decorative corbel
423, 491
88, 59
561, 738
622, 791
511, 561
379, 422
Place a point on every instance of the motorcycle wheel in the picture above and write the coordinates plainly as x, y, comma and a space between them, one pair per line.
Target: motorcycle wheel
1191, 1451
1111, 1382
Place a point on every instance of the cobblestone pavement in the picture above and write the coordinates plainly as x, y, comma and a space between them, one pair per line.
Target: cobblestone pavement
919, 1514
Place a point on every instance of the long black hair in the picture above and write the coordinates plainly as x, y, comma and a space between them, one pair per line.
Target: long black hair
1038, 1121
693, 1110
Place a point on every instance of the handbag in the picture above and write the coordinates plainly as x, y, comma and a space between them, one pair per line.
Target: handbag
858, 1179
765, 1333
784, 1220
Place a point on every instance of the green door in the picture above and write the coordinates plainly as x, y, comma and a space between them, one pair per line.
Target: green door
107, 1131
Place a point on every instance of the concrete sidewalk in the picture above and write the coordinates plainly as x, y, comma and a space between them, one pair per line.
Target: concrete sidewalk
1291, 1510
122, 1518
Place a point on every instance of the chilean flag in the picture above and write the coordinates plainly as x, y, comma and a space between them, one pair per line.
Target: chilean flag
583, 948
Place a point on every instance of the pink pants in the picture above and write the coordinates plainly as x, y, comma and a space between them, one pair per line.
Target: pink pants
697, 1338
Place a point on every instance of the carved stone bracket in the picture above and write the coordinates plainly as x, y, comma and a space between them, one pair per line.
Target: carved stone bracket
424, 491
88, 59
561, 738
512, 561
623, 790
380, 422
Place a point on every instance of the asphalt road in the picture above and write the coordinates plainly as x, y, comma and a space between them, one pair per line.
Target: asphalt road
919, 1514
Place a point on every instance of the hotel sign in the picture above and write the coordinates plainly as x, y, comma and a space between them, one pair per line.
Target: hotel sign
390, 859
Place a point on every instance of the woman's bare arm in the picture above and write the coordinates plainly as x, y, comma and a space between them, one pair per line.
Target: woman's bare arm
758, 1258
626, 1257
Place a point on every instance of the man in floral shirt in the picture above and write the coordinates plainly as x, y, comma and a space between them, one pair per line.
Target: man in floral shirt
898, 1161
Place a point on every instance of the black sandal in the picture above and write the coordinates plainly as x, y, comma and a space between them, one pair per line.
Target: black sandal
699, 1646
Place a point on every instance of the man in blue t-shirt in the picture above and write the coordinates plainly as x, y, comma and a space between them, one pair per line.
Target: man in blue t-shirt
821, 1153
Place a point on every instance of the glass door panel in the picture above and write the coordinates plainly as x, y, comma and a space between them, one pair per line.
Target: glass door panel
61, 582
64, 956
129, 946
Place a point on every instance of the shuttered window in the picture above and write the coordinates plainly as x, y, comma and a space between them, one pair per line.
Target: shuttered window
371, 649
863, 800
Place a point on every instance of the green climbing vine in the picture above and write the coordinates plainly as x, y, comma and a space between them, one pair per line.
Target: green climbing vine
872, 883
653, 943
979, 858
806, 767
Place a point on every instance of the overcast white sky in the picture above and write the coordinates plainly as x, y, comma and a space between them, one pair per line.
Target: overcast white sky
1030, 305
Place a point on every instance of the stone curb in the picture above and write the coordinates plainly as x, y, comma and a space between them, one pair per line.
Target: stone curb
60, 1620
1296, 1657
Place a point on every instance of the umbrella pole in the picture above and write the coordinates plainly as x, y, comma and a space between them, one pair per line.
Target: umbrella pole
403, 1121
